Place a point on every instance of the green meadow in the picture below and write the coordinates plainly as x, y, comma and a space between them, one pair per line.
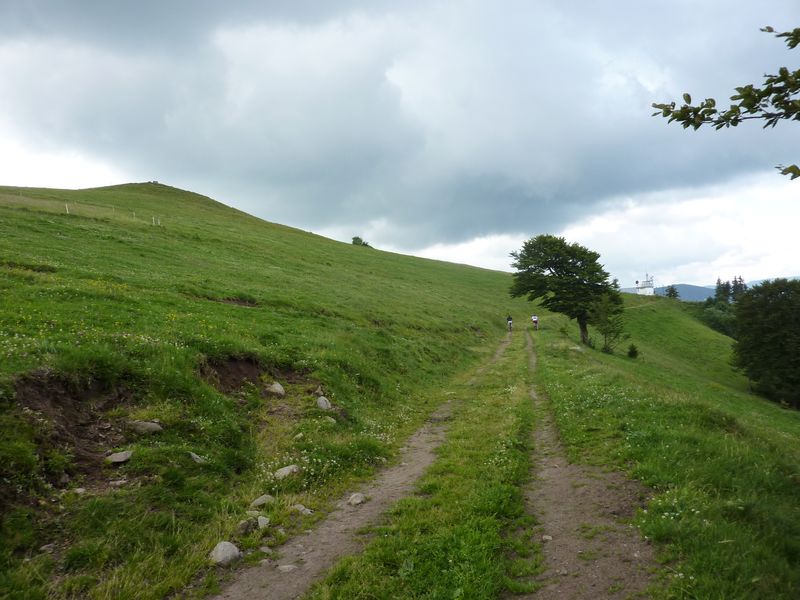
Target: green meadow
144, 302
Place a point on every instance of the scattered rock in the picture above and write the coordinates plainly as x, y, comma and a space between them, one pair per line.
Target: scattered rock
118, 482
197, 458
276, 389
356, 499
252, 513
262, 500
284, 472
119, 457
48, 548
323, 403
265, 549
403, 449
286, 568
263, 522
301, 509
145, 427
563, 572
547, 538
319, 391
246, 526
329, 420
225, 553
299, 436
80, 491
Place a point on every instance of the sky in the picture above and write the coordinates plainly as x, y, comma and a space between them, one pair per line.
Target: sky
452, 130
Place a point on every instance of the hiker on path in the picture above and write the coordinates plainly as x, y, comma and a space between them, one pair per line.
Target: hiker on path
535, 321
510, 321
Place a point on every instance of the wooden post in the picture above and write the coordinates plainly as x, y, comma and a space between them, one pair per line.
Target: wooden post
67, 207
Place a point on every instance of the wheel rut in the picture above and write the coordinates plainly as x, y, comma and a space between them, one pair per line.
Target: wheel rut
591, 551
305, 558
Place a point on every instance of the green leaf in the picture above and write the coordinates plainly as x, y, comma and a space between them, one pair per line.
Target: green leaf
687, 98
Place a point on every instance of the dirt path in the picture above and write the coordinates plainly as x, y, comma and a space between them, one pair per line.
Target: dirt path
305, 558
589, 551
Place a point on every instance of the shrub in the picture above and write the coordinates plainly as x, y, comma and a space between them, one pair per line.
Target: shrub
633, 351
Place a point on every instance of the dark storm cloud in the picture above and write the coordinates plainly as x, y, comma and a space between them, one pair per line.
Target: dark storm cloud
446, 120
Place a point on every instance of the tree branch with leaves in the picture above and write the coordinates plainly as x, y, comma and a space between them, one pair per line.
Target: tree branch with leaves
777, 99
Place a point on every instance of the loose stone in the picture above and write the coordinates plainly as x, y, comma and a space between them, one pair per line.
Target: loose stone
225, 553
323, 403
276, 389
547, 538
262, 500
301, 509
286, 568
119, 457
284, 472
263, 522
145, 427
246, 526
356, 499
197, 458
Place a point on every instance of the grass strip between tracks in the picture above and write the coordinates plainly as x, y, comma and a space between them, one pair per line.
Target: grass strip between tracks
464, 533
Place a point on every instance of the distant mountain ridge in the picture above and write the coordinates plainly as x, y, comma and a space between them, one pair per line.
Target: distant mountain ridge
699, 293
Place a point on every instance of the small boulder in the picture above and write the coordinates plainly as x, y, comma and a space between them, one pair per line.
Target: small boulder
286, 568
276, 389
80, 491
356, 499
323, 403
119, 457
263, 522
224, 553
262, 500
145, 427
284, 472
547, 538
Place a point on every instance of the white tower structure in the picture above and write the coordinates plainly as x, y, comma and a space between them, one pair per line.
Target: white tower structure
645, 288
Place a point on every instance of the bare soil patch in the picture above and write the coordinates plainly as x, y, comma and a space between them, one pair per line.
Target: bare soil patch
229, 375
591, 550
70, 417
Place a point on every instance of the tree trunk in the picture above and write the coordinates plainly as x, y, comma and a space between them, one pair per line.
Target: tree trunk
583, 323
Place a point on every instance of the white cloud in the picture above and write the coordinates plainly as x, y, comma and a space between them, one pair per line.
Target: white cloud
29, 167
746, 228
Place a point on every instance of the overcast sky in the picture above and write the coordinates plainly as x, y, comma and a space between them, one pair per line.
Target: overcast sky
447, 129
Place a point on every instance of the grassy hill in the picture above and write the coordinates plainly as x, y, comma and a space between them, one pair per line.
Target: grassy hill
109, 317
141, 302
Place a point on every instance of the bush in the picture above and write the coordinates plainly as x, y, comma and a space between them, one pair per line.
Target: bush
633, 351
768, 339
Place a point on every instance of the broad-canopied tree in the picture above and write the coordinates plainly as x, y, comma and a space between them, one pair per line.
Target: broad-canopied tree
767, 347
566, 277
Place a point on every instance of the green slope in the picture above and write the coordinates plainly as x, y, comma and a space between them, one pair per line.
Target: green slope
106, 318
723, 465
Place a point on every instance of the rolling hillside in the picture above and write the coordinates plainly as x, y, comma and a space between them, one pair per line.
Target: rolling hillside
142, 303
